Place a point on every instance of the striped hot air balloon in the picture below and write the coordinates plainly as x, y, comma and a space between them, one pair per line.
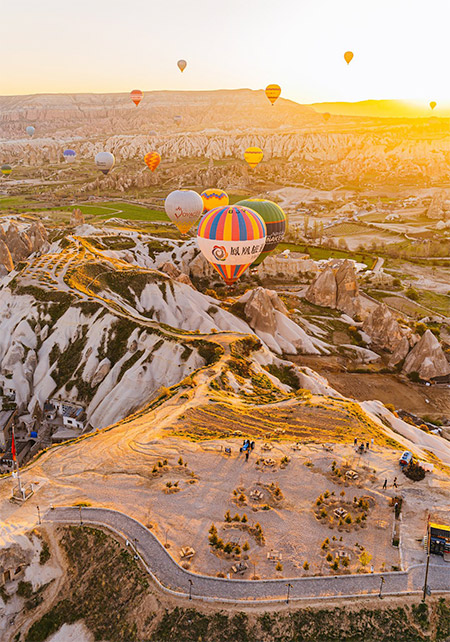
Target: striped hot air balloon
69, 155
152, 160
6, 169
231, 239
275, 220
136, 96
253, 156
214, 198
273, 92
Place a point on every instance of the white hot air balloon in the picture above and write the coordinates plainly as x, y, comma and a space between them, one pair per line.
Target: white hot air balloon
30, 130
105, 161
184, 207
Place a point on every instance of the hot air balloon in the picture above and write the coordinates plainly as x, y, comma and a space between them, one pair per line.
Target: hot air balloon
152, 160
326, 116
6, 169
182, 64
184, 207
253, 156
105, 161
30, 130
136, 96
214, 198
273, 92
69, 155
177, 119
275, 220
348, 56
433, 104
152, 133
231, 238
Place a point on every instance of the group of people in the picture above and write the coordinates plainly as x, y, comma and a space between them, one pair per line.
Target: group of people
394, 483
246, 447
361, 447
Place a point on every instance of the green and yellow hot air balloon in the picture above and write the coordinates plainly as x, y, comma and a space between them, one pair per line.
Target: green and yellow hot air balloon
6, 169
275, 220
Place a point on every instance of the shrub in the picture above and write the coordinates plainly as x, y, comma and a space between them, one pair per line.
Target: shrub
236, 518
242, 498
227, 516
244, 519
306, 566
345, 562
348, 519
279, 567
325, 544
44, 555
323, 513
246, 546
25, 589
335, 564
414, 471
364, 558
329, 557
237, 550
228, 548
180, 461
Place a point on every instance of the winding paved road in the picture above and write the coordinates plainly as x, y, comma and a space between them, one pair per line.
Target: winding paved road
171, 577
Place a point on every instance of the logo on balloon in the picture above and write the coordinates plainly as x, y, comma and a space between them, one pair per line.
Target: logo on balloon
219, 253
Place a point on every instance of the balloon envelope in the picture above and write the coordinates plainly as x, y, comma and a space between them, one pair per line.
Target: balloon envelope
183, 207
30, 130
177, 118
6, 169
214, 198
273, 92
253, 156
348, 57
136, 96
182, 64
152, 160
105, 161
433, 104
275, 220
69, 155
326, 116
231, 238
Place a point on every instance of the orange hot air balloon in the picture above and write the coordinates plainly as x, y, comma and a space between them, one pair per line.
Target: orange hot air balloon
326, 116
348, 57
182, 64
433, 104
273, 92
152, 160
136, 96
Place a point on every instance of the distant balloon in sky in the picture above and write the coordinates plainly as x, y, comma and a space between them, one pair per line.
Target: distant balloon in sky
6, 169
152, 160
30, 130
136, 96
275, 220
105, 161
177, 119
69, 155
182, 64
433, 104
273, 92
214, 197
348, 57
184, 207
326, 116
231, 238
253, 156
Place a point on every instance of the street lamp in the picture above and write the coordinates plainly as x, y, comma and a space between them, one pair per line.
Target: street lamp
426, 590
190, 589
39, 514
289, 586
381, 587
81, 520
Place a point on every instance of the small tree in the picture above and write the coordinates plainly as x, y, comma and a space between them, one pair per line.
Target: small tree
244, 519
365, 558
246, 546
279, 567
227, 516
329, 557
180, 461
236, 518
325, 544
335, 564
306, 565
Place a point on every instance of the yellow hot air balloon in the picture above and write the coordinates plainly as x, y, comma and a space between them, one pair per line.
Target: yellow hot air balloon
273, 92
253, 156
348, 57
433, 104
152, 160
326, 116
214, 198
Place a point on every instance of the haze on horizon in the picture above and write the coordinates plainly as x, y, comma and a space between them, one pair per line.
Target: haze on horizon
105, 46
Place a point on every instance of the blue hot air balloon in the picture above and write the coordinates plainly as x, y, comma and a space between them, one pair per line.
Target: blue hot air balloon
30, 130
69, 155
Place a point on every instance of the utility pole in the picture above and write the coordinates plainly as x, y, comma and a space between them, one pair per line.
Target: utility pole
381, 588
190, 588
16, 463
425, 586
39, 514
81, 520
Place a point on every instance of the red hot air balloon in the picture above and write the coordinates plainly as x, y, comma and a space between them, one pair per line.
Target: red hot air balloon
136, 96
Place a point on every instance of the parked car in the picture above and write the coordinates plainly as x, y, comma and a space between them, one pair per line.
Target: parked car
405, 459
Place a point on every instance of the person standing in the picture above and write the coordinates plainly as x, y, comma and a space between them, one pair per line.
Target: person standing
385, 484
395, 482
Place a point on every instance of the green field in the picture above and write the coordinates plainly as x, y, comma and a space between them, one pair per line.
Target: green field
318, 253
128, 211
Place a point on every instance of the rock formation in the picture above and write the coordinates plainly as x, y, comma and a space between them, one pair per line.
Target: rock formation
260, 309
427, 358
5, 257
384, 329
175, 274
289, 267
201, 268
76, 218
18, 242
102, 370
436, 207
323, 290
38, 237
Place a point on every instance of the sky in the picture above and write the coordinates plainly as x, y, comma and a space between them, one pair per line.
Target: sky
401, 47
